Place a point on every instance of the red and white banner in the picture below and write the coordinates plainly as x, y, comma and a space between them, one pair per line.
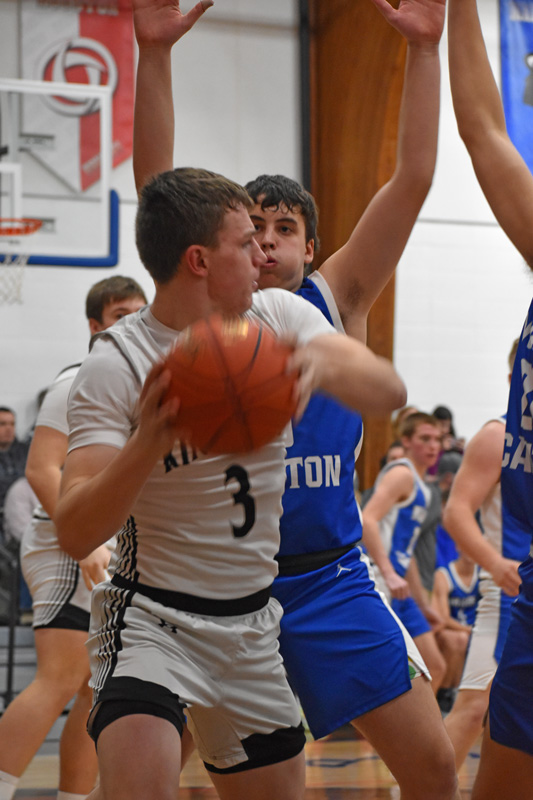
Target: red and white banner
73, 45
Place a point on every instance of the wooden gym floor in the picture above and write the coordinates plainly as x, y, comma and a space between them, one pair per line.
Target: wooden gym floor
338, 768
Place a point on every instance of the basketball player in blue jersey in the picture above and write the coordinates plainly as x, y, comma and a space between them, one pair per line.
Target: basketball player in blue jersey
506, 765
334, 620
455, 597
458, 586
391, 525
499, 550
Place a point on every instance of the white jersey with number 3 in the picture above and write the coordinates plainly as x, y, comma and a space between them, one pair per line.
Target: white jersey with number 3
203, 525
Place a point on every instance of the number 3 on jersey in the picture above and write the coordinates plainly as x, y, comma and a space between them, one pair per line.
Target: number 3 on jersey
242, 497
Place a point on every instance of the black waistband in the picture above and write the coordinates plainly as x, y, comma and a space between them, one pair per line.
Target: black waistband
308, 562
197, 605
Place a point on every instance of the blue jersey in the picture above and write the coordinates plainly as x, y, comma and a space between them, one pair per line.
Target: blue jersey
517, 464
510, 708
400, 527
462, 598
320, 511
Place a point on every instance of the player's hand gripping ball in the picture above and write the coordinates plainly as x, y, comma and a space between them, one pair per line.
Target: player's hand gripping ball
230, 377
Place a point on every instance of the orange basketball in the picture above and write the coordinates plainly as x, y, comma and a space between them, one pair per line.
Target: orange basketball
229, 375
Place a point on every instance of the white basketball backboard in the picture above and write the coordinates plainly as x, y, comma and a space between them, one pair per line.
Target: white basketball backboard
55, 165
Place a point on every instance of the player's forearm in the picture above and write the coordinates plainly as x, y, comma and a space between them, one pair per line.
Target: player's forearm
153, 133
418, 592
453, 625
45, 481
400, 199
460, 522
440, 607
476, 98
357, 377
374, 545
419, 121
93, 506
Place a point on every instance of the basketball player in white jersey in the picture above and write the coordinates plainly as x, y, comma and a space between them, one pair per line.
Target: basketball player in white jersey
499, 550
186, 621
60, 593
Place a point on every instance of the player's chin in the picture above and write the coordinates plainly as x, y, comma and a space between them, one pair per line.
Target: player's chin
270, 280
239, 307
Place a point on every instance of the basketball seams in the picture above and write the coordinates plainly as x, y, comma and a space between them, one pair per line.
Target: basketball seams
230, 375
230, 382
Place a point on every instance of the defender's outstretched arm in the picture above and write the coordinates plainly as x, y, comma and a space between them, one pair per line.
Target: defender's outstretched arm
502, 174
358, 272
158, 26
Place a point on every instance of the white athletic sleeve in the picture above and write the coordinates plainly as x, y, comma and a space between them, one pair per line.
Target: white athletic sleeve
287, 313
104, 400
53, 411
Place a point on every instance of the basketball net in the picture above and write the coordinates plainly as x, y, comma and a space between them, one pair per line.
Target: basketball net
12, 266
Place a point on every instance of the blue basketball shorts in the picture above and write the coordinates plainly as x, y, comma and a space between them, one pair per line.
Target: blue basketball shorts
511, 697
411, 616
344, 650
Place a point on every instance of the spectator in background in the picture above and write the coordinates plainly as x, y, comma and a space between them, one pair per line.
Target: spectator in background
445, 420
446, 549
13, 455
19, 505
450, 442
20, 500
432, 535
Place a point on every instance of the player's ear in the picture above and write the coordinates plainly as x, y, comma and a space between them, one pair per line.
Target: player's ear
95, 326
309, 251
195, 259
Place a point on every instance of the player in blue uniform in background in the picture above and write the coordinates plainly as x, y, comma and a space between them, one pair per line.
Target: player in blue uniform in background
506, 765
336, 619
455, 597
391, 525
460, 586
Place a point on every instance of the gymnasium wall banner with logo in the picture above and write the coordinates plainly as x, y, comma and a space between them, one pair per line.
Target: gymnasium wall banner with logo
78, 45
516, 42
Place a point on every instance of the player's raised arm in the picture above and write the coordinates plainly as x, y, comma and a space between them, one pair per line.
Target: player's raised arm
478, 474
158, 26
504, 177
366, 262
